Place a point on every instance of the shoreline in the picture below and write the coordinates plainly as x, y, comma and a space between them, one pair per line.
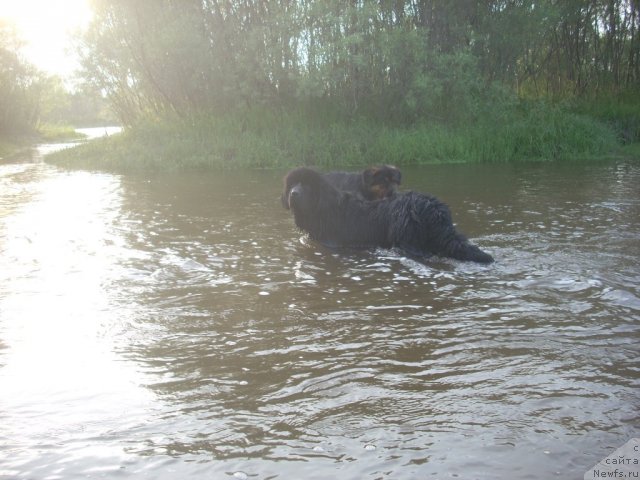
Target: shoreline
224, 145
21, 146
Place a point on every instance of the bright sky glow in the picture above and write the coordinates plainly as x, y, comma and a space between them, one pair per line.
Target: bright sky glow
46, 27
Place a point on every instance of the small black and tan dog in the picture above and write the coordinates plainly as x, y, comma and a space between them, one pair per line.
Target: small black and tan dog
419, 224
373, 183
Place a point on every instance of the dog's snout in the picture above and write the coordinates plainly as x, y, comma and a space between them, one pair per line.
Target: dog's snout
295, 191
291, 195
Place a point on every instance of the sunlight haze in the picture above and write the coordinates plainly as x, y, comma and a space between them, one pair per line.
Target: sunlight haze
46, 27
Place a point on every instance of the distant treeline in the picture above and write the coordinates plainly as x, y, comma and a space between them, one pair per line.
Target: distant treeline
402, 61
20, 86
30, 98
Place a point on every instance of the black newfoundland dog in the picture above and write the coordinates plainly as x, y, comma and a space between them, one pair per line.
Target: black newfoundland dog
419, 224
373, 183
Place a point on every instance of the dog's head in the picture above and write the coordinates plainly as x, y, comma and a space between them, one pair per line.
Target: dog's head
381, 182
305, 189
298, 184
313, 201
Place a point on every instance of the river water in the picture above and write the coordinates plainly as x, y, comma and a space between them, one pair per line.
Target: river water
178, 326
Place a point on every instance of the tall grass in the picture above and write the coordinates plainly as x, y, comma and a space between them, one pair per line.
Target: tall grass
267, 139
621, 112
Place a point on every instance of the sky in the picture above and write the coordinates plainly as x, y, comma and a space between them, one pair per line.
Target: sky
46, 26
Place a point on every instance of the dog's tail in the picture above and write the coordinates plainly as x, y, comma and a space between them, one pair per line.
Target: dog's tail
461, 249
433, 220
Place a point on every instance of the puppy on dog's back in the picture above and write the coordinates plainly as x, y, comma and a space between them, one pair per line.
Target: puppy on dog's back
417, 223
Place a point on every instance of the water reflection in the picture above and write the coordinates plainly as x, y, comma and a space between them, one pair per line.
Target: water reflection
178, 326
62, 385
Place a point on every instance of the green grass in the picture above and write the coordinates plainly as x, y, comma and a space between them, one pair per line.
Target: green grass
620, 112
15, 143
52, 133
269, 139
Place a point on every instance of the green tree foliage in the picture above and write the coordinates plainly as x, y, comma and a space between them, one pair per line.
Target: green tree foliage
80, 106
404, 61
20, 86
29, 98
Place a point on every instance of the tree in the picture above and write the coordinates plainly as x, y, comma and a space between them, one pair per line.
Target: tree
398, 60
20, 86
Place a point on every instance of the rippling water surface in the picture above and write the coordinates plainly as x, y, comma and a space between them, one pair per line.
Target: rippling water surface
178, 326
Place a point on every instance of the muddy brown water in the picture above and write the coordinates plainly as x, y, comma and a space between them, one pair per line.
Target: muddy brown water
178, 326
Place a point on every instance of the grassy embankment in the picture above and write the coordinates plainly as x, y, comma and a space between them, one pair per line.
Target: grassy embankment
58, 133
264, 139
15, 143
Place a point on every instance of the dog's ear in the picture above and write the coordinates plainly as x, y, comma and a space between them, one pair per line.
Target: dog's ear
287, 180
284, 198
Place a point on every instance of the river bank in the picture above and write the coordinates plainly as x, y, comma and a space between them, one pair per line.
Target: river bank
15, 146
277, 139
46, 142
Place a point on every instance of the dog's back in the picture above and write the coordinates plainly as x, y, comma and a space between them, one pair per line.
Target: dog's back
346, 181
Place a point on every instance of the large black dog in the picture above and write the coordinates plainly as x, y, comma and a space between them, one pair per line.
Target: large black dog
418, 224
372, 183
